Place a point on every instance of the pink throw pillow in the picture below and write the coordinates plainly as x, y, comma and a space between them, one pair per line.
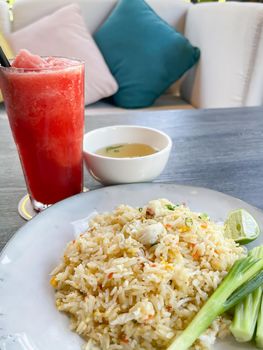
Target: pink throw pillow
64, 33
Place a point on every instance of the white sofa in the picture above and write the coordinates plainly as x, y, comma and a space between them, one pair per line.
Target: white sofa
230, 36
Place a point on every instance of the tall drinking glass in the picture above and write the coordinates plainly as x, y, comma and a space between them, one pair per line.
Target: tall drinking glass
45, 108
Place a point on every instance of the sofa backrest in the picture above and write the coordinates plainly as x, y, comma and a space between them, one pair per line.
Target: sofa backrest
230, 70
95, 11
4, 17
255, 89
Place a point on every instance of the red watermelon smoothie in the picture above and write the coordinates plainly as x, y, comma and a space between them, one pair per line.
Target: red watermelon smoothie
44, 99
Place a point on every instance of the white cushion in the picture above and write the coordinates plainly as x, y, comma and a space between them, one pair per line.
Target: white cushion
95, 11
4, 18
228, 36
64, 34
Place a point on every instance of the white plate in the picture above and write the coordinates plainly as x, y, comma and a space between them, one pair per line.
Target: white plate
28, 317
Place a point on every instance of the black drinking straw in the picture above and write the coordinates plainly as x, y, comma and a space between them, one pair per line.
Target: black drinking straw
3, 59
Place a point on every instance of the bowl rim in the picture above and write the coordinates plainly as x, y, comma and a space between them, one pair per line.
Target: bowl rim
167, 148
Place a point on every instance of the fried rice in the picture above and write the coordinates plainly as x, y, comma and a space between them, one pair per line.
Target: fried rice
137, 276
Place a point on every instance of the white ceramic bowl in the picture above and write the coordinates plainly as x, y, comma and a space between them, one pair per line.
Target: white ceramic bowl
108, 170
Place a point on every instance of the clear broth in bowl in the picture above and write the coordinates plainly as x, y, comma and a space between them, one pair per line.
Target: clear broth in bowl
126, 150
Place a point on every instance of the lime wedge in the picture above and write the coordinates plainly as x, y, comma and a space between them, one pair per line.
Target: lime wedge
241, 226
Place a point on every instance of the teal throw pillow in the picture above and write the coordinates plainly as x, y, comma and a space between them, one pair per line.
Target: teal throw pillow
144, 53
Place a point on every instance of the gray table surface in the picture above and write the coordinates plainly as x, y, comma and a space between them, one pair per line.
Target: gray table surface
221, 149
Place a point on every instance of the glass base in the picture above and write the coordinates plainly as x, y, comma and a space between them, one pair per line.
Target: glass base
29, 208
38, 206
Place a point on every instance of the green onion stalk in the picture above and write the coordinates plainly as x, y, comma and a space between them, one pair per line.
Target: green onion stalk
244, 277
246, 312
259, 331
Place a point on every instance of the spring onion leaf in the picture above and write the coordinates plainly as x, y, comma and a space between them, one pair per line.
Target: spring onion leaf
243, 272
244, 290
246, 312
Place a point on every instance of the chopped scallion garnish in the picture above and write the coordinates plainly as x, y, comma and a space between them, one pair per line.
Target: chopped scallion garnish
203, 216
188, 222
171, 206
113, 148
